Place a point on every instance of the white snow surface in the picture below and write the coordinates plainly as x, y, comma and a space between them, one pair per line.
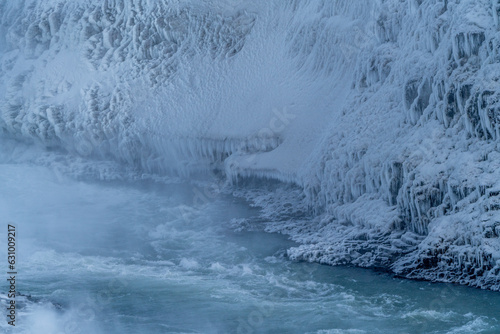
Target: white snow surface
385, 114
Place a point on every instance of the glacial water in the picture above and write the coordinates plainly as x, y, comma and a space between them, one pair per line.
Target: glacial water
151, 257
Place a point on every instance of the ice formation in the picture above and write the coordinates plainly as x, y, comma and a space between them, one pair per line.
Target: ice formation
385, 113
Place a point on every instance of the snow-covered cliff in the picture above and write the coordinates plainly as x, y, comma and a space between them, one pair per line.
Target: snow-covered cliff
385, 113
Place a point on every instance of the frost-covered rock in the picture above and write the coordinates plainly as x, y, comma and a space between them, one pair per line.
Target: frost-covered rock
385, 113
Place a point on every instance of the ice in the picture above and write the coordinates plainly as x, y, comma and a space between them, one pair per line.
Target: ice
386, 114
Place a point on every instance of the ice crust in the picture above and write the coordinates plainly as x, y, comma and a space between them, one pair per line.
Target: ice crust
384, 113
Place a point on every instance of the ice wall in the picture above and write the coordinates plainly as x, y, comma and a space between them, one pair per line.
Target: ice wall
386, 113
167, 85
415, 179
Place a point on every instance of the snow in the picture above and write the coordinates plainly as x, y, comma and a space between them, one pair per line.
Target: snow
384, 113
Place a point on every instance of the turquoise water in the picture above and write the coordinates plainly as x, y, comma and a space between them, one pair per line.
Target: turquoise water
145, 257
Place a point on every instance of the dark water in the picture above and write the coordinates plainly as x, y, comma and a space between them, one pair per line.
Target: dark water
136, 257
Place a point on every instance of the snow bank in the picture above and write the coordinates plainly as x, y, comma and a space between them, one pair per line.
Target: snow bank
385, 113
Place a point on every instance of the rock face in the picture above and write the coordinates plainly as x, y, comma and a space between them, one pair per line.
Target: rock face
385, 113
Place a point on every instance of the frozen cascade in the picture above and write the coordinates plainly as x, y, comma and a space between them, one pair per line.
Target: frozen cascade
385, 113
